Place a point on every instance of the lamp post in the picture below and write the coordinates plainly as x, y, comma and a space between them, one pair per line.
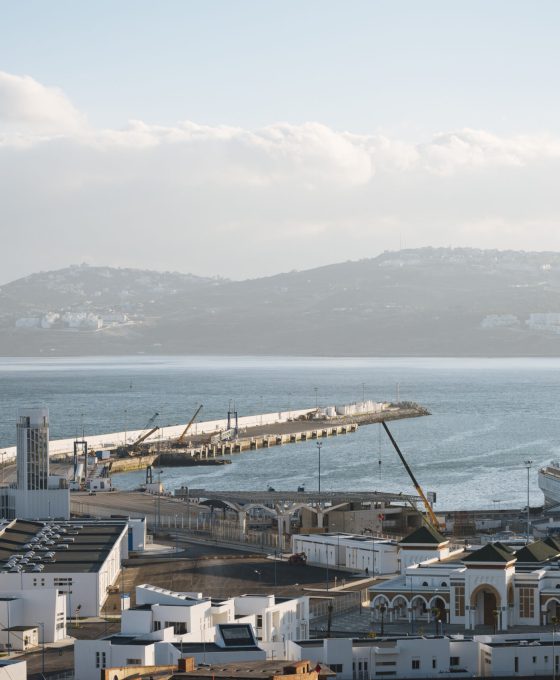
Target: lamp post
382, 608
528, 464
555, 621
39, 623
319, 444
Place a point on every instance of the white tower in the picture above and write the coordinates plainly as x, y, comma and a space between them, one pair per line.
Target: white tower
33, 449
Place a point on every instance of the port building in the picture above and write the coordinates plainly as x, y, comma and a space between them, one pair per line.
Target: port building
37, 494
494, 587
78, 561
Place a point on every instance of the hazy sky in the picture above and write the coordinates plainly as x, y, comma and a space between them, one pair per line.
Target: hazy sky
245, 138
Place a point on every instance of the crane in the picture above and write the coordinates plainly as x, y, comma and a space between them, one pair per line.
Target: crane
147, 426
433, 519
191, 421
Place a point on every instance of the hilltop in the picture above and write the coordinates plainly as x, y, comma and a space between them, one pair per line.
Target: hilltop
423, 302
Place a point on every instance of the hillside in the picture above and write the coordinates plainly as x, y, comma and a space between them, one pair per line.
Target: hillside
425, 302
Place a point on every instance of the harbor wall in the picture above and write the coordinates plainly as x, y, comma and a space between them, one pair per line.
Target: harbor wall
112, 440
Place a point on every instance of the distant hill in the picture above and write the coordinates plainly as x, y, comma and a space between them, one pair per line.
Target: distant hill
424, 302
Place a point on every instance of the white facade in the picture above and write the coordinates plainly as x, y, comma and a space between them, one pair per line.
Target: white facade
27, 607
166, 623
37, 493
349, 552
13, 669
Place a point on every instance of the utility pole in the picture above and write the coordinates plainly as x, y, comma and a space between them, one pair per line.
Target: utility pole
528, 464
319, 444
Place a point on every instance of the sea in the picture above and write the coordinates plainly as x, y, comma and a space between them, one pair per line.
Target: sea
488, 417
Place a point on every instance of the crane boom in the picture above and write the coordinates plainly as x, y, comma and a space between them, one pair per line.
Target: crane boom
433, 519
191, 421
145, 436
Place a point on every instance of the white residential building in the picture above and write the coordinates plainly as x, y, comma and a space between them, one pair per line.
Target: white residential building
166, 624
232, 642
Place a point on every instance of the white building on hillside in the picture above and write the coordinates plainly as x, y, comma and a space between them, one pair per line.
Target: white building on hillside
166, 624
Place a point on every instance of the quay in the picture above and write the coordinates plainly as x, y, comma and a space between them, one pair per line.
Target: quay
206, 438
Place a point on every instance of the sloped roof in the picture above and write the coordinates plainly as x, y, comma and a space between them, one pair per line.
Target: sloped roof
492, 553
539, 551
424, 535
553, 542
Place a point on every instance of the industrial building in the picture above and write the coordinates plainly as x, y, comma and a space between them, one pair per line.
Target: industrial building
348, 552
78, 560
37, 494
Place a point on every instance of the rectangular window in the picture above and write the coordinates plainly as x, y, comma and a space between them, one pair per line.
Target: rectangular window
516, 664
454, 661
415, 664
459, 600
134, 662
526, 603
434, 663
100, 660
336, 667
157, 625
259, 620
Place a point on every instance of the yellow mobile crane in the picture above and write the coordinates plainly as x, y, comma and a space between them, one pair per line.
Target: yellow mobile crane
191, 421
433, 519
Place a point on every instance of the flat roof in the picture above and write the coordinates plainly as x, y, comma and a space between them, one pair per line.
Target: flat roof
88, 545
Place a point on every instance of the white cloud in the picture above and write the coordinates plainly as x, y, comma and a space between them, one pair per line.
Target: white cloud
27, 105
238, 202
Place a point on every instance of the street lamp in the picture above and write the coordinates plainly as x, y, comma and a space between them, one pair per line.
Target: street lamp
555, 621
319, 444
528, 464
382, 608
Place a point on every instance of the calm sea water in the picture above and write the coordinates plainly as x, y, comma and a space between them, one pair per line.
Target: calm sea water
488, 416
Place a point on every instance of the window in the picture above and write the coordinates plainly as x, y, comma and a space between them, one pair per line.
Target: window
454, 661
459, 600
259, 620
336, 667
179, 627
534, 659
134, 662
415, 664
516, 664
100, 660
434, 662
157, 625
526, 603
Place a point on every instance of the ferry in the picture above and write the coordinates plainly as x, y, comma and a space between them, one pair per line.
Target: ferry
549, 484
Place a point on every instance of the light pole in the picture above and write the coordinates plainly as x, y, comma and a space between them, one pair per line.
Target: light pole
555, 621
528, 464
319, 444
39, 623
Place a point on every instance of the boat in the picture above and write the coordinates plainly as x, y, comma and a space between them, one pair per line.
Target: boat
549, 484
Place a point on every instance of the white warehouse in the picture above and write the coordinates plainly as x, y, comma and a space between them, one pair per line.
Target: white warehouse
349, 552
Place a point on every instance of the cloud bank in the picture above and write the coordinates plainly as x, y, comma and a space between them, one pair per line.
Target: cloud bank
237, 202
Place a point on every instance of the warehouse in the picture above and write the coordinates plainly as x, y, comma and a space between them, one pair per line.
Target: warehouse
81, 560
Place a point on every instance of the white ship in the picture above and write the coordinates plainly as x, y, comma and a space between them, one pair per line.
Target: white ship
549, 484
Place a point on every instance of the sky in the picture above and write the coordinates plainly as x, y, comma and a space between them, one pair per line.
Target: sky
244, 138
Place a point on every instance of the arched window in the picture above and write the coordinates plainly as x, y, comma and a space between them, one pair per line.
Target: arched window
443, 584
425, 584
